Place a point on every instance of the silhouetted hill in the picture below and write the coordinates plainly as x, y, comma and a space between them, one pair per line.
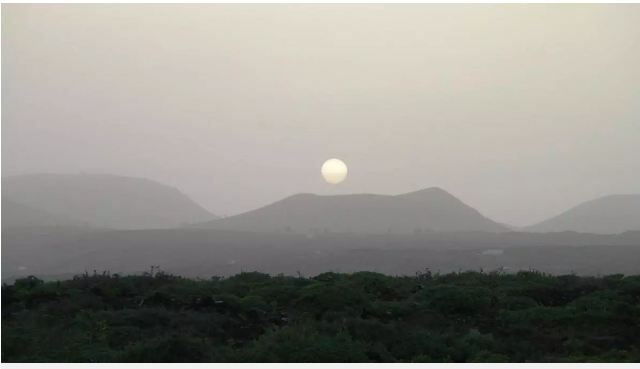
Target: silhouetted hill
103, 200
15, 214
609, 214
431, 209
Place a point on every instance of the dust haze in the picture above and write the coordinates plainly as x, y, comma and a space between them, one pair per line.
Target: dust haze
522, 111
320, 183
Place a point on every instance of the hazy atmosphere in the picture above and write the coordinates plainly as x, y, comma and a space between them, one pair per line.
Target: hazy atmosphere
521, 110
320, 183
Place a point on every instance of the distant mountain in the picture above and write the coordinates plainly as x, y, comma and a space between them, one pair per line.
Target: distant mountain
609, 214
15, 214
431, 209
105, 201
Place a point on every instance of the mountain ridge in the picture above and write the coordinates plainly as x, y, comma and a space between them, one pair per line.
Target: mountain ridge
429, 209
105, 200
614, 213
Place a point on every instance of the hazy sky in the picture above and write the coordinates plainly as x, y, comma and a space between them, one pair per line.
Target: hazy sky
519, 110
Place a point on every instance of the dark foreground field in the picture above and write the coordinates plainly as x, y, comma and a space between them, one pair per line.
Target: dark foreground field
359, 317
60, 253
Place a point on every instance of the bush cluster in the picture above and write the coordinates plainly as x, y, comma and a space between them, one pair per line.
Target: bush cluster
357, 317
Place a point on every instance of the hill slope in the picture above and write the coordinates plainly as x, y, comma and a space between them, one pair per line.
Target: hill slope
104, 200
431, 209
609, 214
15, 214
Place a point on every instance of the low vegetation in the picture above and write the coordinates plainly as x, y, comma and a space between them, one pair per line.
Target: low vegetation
358, 317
